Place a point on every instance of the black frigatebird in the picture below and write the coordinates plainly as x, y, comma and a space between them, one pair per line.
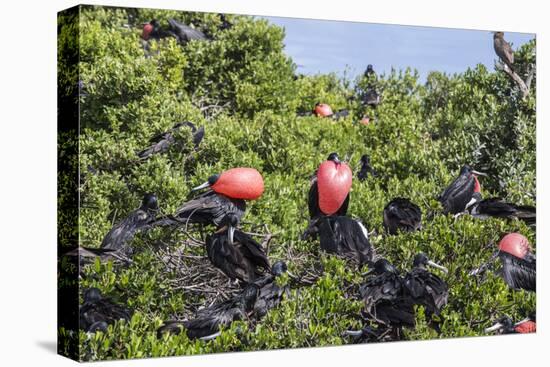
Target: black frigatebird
207, 324
226, 194
330, 187
371, 97
402, 214
369, 71
343, 236
270, 293
366, 169
153, 30
385, 302
97, 311
162, 142
236, 253
459, 195
503, 49
496, 207
185, 33
519, 264
118, 237
426, 288
505, 325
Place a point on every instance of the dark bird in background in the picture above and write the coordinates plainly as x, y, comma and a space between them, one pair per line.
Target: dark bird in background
425, 288
344, 236
503, 49
336, 178
371, 97
185, 33
459, 195
505, 325
496, 207
401, 214
236, 253
340, 114
207, 324
97, 311
519, 264
366, 169
369, 71
225, 24
181, 32
162, 142
143, 217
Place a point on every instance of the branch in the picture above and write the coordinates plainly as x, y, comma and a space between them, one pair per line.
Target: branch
516, 78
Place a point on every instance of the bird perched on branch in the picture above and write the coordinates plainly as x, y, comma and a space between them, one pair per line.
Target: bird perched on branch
97, 311
402, 214
366, 169
118, 237
496, 207
503, 49
236, 253
226, 194
505, 325
519, 264
162, 142
459, 195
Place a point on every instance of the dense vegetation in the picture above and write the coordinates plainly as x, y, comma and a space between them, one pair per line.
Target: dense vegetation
245, 91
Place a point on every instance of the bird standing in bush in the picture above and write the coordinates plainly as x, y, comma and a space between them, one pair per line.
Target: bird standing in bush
402, 214
459, 195
503, 49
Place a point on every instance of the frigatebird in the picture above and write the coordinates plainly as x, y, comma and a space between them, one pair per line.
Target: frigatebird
270, 293
366, 169
369, 71
162, 142
459, 195
236, 253
185, 33
400, 214
371, 97
385, 302
503, 49
505, 325
207, 324
97, 311
153, 30
226, 194
496, 207
519, 264
343, 236
426, 288
322, 110
118, 237
330, 187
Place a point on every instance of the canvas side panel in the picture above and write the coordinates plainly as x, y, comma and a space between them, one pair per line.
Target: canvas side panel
67, 180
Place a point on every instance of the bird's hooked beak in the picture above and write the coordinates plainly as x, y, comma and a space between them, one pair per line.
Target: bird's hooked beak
495, 327
437, 266
477, 173
202, 186
230, 233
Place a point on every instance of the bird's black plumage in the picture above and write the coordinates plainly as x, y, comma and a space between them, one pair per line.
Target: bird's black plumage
340, 114
270, 293
143, 217
162, 142
244, 259
185, 33
402, 214
345, 236
366, 169
206, 208
383, 283
371, 97
426, 288
97, 311
158, 32
459, 193
209, 320
496, 207
519, 273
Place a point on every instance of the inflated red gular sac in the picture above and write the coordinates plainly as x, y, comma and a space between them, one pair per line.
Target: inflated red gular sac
147, 29
236, 183
322, 110
334, 184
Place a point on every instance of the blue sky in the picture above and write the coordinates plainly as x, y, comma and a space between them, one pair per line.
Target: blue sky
328, 46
